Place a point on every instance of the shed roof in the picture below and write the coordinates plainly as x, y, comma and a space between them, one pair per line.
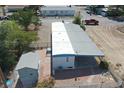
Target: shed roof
16, 6
70, 39
29, 60
57, 8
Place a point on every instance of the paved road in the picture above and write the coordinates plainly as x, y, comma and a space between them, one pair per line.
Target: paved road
108, 39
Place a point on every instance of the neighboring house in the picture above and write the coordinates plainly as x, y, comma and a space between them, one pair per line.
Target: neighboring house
102, 11
57, 11
27, 70
14, 8
99, 9
70, 42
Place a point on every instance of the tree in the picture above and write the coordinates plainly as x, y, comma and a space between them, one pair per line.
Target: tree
35, 8
2, 78
17, 39
116, 10
77, 20
3, 10
14, 42
7, 59
25, 18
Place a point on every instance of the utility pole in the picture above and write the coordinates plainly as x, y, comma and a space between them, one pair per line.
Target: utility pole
2, 78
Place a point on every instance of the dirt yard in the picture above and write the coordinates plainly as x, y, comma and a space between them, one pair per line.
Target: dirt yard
84, 78
111, 42
45, 66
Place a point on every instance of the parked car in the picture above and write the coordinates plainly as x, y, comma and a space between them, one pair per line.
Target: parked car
88, 12
4, 17
91, 22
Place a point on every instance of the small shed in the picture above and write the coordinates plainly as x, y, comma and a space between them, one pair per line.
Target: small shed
57, 11
27, 69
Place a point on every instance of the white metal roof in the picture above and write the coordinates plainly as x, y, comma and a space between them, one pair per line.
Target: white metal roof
70, 39
29, 60
60, 40
57, 8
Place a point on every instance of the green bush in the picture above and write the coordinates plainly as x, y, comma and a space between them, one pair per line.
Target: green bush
83, 27
46, 84
114, 13
77, 20
35, 20
104, 65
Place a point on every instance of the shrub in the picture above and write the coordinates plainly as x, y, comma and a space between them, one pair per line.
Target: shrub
104, 65
77, 20
83, 27
35, 20
46, 83
114, 13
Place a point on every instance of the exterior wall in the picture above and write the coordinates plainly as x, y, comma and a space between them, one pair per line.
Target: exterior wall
28, 77
57, 12
63, 63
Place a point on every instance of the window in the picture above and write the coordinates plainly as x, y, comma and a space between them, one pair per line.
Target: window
66, 12
61, 12
69, 59
51, 12
44, 12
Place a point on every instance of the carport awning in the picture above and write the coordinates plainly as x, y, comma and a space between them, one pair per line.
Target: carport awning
70, 40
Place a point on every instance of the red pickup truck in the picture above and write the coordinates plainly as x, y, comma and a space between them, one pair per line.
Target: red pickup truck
91, 22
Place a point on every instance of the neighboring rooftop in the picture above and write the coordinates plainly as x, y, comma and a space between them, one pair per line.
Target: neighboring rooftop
16, 6
70, 39
57, 8
29, 60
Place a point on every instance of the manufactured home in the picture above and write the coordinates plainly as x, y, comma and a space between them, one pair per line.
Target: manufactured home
70, 44
57, 11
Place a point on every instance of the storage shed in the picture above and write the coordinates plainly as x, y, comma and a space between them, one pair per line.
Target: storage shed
27, 69
57, 11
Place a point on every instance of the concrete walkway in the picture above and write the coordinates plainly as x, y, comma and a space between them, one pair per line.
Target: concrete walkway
44, 66
84, 78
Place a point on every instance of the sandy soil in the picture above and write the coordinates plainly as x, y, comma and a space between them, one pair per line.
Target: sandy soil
111, 42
